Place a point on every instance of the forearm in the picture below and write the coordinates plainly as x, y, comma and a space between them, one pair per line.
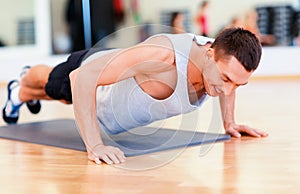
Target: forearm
84, 101
227, 103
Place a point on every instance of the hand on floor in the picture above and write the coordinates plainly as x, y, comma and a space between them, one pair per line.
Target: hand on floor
236, 130
107, 154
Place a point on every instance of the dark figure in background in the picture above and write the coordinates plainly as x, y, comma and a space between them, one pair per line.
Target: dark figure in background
102, 19
177, 22
75, 21
251, 25
105, 14
202, 18
1, 43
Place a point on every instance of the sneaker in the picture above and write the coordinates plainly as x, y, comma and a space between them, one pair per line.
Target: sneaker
34, 106
10, 112
24, 71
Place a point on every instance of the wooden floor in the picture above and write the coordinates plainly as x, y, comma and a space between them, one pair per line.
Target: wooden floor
246, 165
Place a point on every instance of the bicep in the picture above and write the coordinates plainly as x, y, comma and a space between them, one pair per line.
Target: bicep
153, 56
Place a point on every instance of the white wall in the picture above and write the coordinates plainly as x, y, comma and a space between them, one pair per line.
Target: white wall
279, 61
9, 16
13, 58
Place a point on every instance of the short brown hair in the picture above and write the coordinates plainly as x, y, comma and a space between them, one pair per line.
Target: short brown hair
240, 43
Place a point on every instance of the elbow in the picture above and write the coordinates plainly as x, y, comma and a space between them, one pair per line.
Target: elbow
72, 77
168, 56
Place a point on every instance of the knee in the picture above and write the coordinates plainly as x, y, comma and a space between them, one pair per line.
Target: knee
41, 69
36, 75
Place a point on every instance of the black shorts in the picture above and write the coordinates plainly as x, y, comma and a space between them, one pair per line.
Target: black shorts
58, 86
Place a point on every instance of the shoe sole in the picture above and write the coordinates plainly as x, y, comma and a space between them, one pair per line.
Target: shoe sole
9, 120
34, 109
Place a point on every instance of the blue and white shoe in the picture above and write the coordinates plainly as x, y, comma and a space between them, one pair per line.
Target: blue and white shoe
24, 71
10, 112
34, 106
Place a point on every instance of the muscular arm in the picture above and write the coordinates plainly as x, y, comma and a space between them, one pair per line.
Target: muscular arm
110, 69
227, 103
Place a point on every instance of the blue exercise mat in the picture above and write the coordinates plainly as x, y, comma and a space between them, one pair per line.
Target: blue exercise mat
63, 133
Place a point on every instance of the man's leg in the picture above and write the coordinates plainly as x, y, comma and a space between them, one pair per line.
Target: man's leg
30, 89
33, 83
41, 82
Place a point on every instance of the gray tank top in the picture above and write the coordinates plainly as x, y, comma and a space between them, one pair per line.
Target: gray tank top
124, 105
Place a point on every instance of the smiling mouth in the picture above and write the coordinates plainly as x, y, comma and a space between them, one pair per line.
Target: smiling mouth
217, 90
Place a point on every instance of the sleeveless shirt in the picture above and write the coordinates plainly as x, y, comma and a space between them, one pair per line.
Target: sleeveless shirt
124, 105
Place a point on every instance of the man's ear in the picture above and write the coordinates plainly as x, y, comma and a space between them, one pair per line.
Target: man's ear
210, 52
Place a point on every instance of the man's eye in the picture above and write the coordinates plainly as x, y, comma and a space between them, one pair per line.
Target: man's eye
225, 80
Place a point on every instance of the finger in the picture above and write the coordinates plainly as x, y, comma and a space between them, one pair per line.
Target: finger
234, 133
97, 161
113, 158
264, 134
261, 133
120, 155
106, 159
93, 157
250, 131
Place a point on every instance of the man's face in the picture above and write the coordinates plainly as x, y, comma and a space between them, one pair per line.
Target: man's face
224, 76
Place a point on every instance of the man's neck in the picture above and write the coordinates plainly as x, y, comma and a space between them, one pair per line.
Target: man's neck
198, 57
195, 66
